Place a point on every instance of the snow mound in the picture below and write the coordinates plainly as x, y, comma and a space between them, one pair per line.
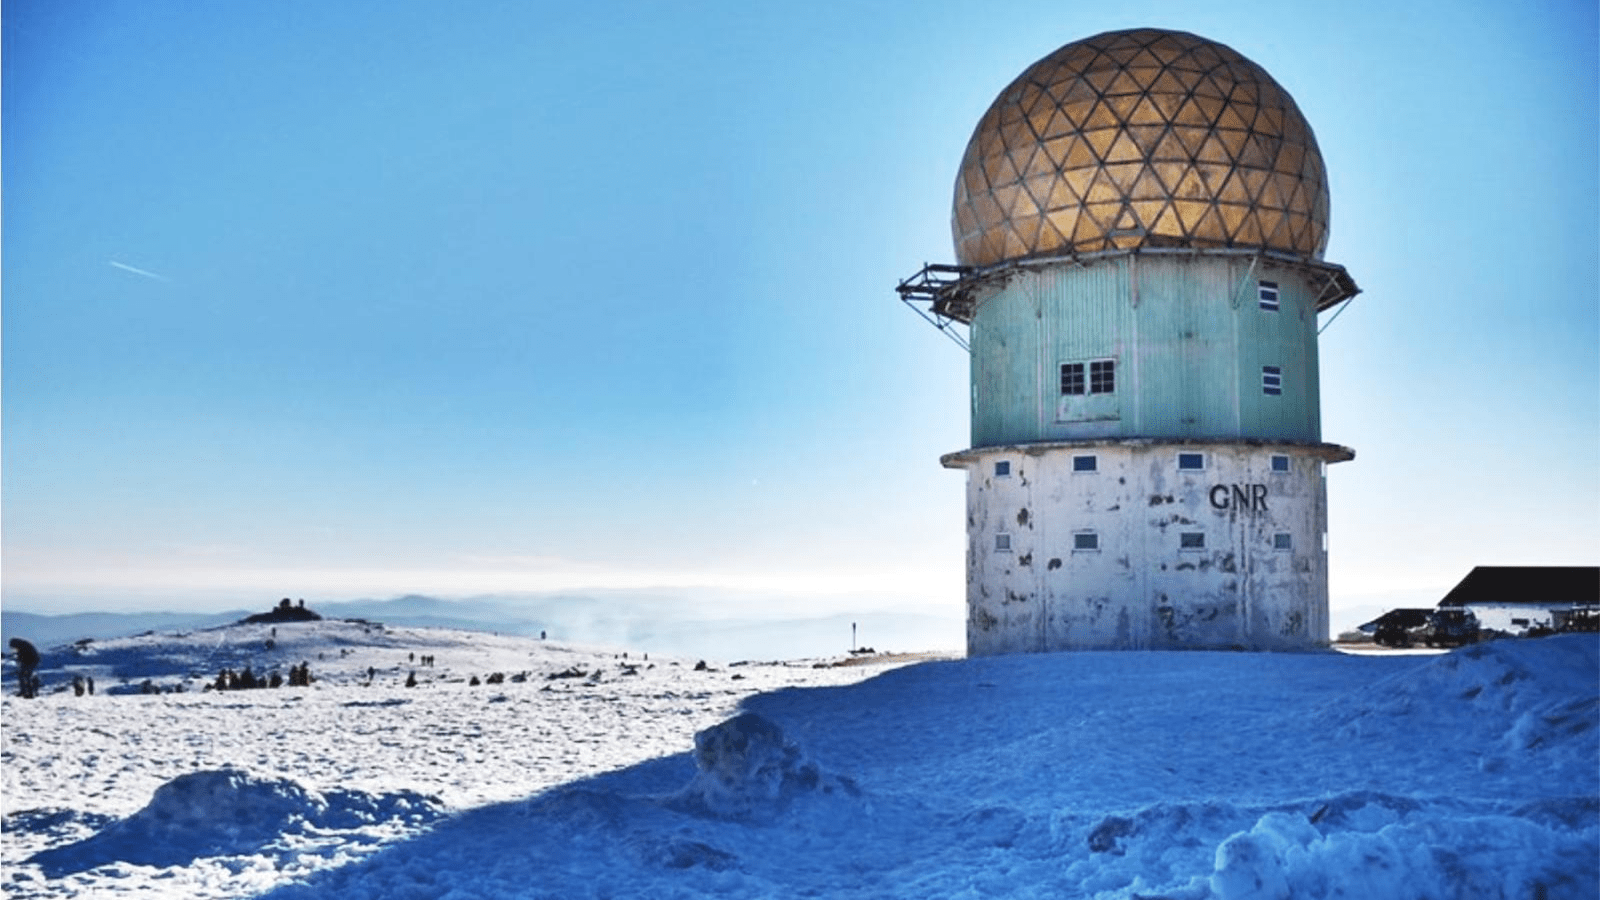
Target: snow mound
230, 812
748, 770
1358, 844
1419, 854
1534, 692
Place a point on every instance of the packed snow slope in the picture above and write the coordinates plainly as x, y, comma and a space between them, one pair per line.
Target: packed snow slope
1181, 775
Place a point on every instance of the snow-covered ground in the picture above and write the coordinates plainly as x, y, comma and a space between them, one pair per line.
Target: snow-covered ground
1182, 775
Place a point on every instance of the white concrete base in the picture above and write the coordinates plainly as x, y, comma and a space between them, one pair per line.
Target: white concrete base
1064, 558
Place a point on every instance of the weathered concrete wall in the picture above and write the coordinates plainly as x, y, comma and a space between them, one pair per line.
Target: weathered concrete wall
1034, 585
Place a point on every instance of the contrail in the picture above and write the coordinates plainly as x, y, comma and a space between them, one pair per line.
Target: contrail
137, 271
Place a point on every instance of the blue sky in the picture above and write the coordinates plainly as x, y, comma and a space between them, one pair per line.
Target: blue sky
361, 298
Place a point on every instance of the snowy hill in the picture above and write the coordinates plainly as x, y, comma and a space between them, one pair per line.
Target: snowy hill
339, 652
1182, 775
683, 622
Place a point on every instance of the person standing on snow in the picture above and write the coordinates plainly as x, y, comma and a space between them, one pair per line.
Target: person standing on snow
27, 661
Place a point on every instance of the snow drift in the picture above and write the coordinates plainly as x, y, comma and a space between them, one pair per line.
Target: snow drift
749, 770
230, 812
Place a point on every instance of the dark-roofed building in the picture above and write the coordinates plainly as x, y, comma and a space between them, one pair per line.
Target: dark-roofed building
1522, 585
1514, 599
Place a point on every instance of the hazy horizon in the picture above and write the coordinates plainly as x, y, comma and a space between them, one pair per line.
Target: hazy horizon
671, 604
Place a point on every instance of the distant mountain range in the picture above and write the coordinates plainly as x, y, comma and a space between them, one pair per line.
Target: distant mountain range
719, 625
48, 631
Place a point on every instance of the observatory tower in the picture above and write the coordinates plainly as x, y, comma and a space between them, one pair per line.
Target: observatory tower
1139, 223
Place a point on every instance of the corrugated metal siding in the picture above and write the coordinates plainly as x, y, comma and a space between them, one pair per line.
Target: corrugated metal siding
1085, 314
1005, 378
1085, 309
1187, 385
1189, 338
1286, 339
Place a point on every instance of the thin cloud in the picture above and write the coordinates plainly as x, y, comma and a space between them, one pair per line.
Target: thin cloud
138, 271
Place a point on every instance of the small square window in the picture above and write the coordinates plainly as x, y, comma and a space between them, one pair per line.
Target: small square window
1072, 380
1280, 463
1086, 540
1103, 376
1085, 463
1271, 380
1268, 291
1282, 541
1002, 468
1191, 461
1192, 540
1002, 543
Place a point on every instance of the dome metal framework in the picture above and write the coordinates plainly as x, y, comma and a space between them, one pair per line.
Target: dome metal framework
1135, 139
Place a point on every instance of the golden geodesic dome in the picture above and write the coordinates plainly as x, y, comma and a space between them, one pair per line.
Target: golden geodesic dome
1142, 138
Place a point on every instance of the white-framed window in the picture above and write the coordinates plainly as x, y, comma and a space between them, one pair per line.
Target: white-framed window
1191, 462
1192, 540
1085, 541
1283, 540
1097, 376
1271, 380
1002, 469
1087, 463
1002, 542
1268, 292
1280, 464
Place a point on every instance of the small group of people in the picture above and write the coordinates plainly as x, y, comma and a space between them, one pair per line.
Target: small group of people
426, 661
28, 682
229, 680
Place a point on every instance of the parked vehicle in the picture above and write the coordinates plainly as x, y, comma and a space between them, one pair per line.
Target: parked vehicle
1451, 627
1582, 617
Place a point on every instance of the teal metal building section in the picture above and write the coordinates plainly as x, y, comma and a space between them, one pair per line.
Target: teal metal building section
1194, 353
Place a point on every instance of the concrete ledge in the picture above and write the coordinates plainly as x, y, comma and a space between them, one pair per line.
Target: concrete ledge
1333, 453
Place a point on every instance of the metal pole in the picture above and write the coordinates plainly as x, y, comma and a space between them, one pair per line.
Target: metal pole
1344, 306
